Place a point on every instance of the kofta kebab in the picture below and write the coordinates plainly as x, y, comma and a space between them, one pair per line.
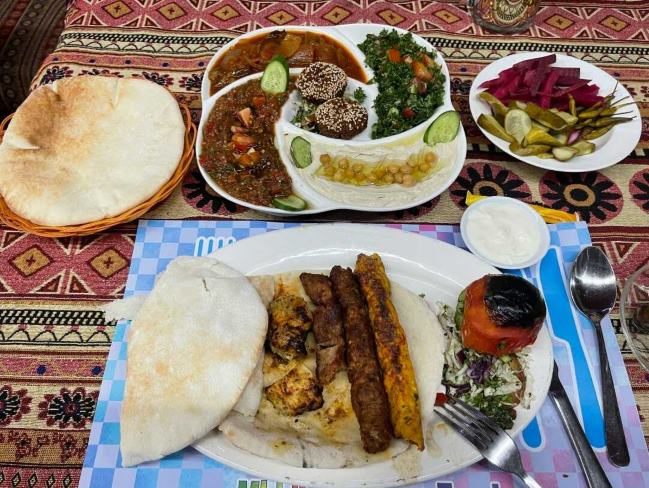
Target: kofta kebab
354, 319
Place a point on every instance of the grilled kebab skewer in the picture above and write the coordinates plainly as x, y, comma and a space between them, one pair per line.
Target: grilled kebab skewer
369, 400
327, 326
392, 350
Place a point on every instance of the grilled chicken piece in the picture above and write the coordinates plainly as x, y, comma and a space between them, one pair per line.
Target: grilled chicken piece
392, 350
327, 326
289, 324
369, 400
296, 393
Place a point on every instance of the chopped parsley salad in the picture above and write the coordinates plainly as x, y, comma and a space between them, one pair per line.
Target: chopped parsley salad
493, 384
410, 82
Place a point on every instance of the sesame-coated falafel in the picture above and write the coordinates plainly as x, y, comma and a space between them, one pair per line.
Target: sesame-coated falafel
341, 118
320, 82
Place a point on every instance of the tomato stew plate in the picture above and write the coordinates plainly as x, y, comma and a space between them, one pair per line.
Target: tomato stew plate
321, 192
422, 265
612, 147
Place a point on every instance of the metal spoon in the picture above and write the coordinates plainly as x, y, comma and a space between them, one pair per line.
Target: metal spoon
593, 289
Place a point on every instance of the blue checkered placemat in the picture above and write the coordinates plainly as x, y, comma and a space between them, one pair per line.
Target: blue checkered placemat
544, 446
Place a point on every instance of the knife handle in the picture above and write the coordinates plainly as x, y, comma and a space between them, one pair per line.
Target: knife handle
590, 466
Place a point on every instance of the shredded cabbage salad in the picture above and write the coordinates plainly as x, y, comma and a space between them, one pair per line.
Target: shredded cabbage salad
493, 384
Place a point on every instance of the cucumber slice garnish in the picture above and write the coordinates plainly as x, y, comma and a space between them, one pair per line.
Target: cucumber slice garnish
275, 77
443, 129
301, 152
292, 203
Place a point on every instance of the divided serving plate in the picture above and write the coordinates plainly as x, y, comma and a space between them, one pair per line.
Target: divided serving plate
342, 196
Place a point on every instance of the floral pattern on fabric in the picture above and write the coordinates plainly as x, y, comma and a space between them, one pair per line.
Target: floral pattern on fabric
592, 195
489, 180
101, 72
192, 83
74, 408
13, 404
200, 195
161, 79
56, 73
459, 85
639, 189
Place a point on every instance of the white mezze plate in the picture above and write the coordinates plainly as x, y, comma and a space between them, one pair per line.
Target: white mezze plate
421, 264
349, 36
613, 147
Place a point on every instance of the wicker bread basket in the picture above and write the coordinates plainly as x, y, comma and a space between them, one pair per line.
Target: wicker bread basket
9, 218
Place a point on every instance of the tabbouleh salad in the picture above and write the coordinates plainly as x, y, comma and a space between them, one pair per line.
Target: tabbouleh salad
410, 83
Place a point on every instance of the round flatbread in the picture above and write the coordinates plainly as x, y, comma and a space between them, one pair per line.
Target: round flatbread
87, 148
192, 349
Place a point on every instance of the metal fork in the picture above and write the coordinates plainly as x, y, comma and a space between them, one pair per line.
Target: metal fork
493, 442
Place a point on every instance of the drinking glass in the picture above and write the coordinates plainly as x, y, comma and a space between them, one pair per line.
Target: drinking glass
506, 16
634, 314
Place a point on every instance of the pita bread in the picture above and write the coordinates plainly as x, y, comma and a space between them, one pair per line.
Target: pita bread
191, 351
291, 449
86, 148
248, 403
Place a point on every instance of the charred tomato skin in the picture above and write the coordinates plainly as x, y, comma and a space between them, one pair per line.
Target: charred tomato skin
502, 314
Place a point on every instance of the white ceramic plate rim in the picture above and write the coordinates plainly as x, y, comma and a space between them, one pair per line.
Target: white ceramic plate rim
611, 148
544, 243
409, 258
346, 34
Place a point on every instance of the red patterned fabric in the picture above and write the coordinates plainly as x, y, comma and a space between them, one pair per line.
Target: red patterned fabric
53, 345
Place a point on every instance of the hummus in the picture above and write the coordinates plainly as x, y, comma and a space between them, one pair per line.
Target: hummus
376, 196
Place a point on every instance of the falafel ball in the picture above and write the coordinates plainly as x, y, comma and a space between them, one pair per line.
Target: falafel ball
320, 82
341, 118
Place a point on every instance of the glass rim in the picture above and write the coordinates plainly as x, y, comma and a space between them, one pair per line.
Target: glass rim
644, 361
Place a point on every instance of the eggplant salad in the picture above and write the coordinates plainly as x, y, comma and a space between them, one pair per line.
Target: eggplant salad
495, 319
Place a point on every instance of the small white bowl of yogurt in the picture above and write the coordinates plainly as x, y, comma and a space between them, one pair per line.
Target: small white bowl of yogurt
505, 232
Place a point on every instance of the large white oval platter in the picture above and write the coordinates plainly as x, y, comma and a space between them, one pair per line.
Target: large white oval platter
421, 264
612, 148
350, 36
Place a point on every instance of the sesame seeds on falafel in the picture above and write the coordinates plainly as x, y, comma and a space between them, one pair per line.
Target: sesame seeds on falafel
341, 118
320, 82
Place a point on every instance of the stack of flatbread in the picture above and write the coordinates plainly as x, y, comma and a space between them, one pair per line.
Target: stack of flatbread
193, 347
88, 148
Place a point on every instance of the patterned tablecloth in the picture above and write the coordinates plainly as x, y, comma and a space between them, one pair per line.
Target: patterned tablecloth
53, 345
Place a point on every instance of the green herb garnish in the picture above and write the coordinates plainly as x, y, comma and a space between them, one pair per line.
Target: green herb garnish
405, 99
305, 115
495, 407
359, 95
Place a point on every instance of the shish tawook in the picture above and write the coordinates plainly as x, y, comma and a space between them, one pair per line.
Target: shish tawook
369, 400
296, 393
392, 350
289, 324
327, 326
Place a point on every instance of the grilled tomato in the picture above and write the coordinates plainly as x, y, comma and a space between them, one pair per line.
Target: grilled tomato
499, 314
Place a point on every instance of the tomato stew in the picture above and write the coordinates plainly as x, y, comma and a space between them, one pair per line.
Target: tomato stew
299, 48
238, 148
